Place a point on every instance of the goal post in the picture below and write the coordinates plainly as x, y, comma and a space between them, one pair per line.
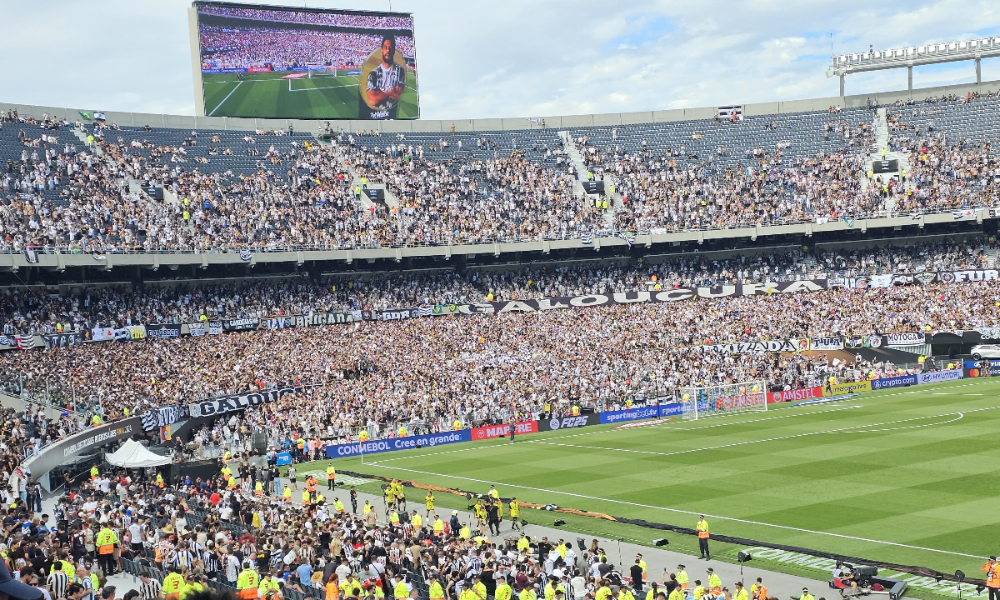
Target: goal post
701, 402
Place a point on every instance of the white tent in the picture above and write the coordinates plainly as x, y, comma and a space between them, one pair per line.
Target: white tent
134, 455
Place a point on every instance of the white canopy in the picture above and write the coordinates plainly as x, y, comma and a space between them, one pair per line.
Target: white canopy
134, 455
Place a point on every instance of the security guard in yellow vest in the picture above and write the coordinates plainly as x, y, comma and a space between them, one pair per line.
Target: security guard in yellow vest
436, 592
465, 533
399, 589
287, 493
191, 586
172, 584
93, 472
331, 478
351, 586
523, 544
258, 488
677, 594
503, 591
417, 521
247, 582
69, 570
338, 505
467, 594
699, 590
305, 497
106, 541
603, 592
625, 594
806, 595
438, 526
479, 588
528, 593
682, 577
268, 585
550, 590
702, 528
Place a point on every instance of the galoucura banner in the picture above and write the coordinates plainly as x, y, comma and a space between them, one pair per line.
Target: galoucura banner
225, 404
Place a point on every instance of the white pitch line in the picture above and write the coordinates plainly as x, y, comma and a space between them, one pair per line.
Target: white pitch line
226, 98
562, 437
333, 87
863, 429
805, 414
667, 428
683, 512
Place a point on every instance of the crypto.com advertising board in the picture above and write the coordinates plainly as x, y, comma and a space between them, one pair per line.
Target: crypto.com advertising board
260, 61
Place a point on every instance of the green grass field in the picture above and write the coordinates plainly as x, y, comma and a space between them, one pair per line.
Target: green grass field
267, 95
907, 475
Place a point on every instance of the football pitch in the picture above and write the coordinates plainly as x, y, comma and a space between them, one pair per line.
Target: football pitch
908, 475
267, 95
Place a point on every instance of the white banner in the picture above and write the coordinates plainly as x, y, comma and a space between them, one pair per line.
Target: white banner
823, 344
904, 339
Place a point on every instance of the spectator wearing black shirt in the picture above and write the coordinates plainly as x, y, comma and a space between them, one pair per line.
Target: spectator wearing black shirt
635, 571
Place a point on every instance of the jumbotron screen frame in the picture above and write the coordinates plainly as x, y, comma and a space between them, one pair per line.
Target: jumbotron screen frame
263, 61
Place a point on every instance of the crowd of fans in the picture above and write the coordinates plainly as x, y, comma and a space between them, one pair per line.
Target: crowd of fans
27, 311
279, 49
244, 530
366, 21
504, 197
303, 195
436, 369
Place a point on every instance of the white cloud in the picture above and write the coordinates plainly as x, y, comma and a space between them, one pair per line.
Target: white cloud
480, 59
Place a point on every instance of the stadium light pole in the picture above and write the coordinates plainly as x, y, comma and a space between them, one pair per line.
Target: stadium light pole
842, 65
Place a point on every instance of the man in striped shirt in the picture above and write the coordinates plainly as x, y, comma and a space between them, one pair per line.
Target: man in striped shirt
386, 83
149, 588
57, 580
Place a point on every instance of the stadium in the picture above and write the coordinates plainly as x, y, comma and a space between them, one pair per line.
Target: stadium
307, 344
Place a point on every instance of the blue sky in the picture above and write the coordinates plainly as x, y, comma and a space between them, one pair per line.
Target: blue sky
482, 59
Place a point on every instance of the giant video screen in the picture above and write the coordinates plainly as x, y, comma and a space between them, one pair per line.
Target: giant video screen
302, 63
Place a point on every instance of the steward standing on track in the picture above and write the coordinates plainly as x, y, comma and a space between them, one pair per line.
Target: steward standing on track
702, 528
992, 570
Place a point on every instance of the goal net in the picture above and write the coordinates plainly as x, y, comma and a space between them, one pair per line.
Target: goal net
322, 73
700, 402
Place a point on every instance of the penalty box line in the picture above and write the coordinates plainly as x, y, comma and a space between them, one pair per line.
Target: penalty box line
683, 512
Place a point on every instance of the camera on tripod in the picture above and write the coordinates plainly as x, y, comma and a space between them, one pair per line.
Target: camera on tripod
863, 574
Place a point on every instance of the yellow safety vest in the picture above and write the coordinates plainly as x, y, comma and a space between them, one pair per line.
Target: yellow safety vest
400, 591
436, 592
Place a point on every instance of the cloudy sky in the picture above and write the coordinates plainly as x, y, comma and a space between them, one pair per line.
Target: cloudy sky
513, 58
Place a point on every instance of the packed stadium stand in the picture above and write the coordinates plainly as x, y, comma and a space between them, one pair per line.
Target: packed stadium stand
155, 267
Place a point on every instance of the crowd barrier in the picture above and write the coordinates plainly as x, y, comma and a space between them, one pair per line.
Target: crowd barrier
632, 414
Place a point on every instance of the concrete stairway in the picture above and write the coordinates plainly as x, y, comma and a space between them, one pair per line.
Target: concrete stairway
610, 184
363, 202
882, 142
